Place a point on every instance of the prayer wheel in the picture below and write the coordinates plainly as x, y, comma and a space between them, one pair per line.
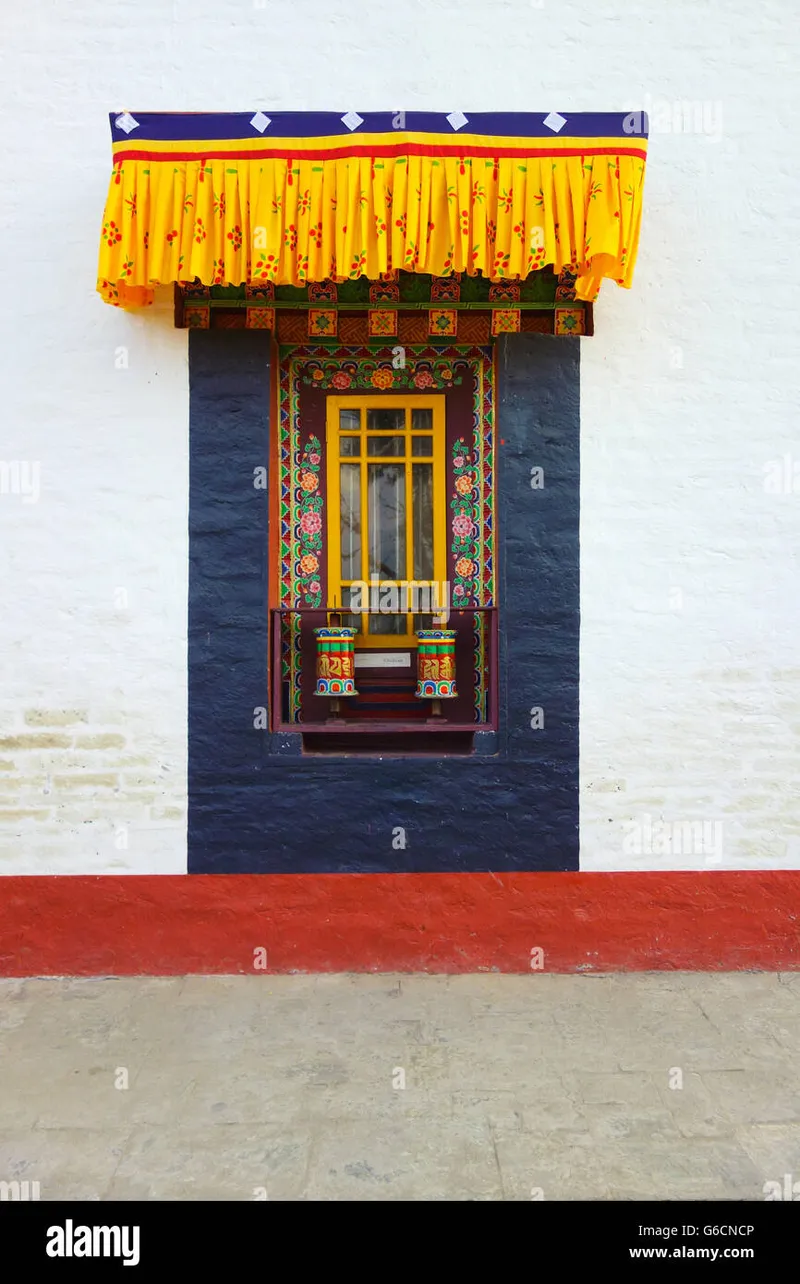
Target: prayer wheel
335, 662
436, 664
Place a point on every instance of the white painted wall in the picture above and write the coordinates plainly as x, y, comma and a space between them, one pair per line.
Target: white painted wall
689, 682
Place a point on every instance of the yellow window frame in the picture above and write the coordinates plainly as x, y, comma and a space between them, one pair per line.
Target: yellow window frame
334, 458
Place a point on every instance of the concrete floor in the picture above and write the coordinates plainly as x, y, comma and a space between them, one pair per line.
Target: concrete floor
288, 1087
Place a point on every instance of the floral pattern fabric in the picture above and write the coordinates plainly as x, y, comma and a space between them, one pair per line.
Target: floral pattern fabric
231, 211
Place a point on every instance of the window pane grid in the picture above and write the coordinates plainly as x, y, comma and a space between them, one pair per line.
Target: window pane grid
386, 461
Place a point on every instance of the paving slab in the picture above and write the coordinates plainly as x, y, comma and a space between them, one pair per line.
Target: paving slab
663, 1086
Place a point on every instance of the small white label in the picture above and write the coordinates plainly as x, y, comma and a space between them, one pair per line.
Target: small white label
383, 659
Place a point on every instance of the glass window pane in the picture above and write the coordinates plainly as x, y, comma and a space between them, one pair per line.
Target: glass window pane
349, 445
386, 445
350, 519
422, 446
386, 499
386, 624
386, 420
422, 420
349, 420
351, 597
422, 484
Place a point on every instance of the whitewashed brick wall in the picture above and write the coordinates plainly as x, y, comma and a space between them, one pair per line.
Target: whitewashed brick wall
690, 674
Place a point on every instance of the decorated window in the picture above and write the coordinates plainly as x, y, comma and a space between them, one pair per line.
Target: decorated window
387, 544
386, 510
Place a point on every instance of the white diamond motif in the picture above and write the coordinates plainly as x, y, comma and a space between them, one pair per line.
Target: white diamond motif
457, 119
352, 120
555, 122
126, 122
260, 122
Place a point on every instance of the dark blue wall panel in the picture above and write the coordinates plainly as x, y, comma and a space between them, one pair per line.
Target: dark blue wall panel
255, 809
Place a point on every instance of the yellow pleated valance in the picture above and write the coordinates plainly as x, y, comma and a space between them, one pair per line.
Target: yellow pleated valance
292, 199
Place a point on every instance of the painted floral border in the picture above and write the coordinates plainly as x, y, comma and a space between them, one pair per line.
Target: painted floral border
308, 530
465, 524
383, 374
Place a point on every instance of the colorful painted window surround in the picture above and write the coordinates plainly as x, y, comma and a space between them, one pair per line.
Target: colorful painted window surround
311, 376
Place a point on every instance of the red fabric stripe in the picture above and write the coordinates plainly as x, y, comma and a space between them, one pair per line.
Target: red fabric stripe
345, 151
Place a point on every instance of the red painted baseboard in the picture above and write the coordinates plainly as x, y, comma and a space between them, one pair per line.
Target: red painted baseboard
162, 926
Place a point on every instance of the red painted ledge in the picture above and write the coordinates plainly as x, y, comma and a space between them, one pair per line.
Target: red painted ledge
168, 925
